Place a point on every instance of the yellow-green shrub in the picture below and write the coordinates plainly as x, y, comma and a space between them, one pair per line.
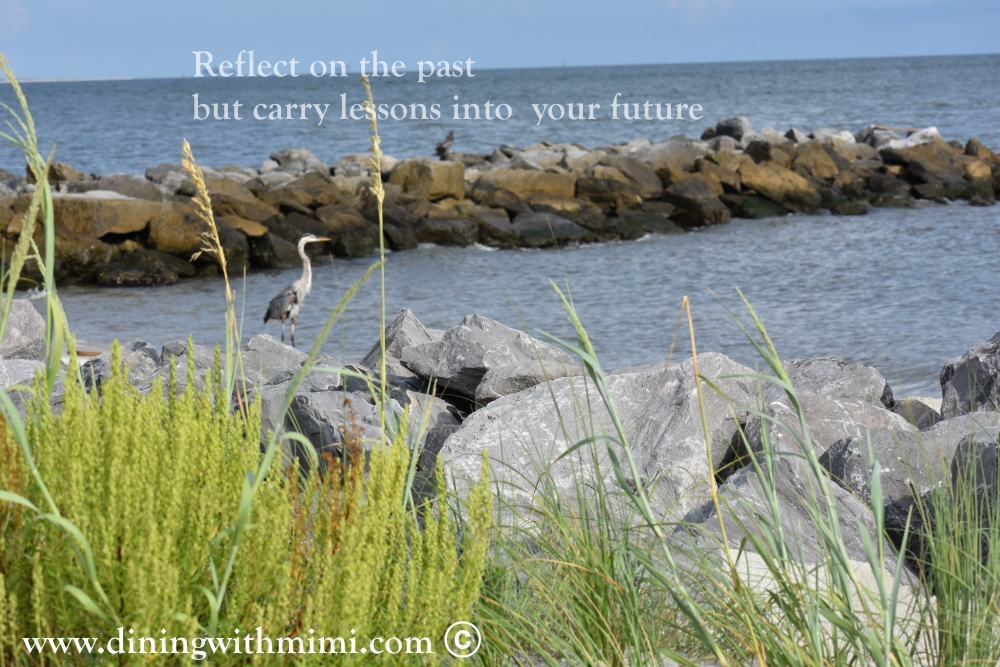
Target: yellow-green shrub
151, 480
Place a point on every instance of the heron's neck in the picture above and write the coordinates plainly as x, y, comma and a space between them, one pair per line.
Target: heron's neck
306, 270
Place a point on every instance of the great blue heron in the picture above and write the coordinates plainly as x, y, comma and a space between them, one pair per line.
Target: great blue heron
288, 304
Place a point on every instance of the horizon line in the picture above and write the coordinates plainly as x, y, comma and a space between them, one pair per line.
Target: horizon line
5, 81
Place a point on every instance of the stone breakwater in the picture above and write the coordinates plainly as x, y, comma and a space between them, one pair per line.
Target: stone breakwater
525, 403
124, 229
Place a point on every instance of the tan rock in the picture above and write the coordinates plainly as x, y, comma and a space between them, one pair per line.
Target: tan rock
434, 179
58, 171
844, 149
249, 227
310, 190
976, 170
97, 216
258, 211
726, 177
175, 233
976, 149
780, 185
728, 160
524, 183
711, 179
814, 158
670, 174
340, 219
220, 185
608, 173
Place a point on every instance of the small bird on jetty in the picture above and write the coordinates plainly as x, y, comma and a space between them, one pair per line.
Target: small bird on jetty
289, 302
442, 149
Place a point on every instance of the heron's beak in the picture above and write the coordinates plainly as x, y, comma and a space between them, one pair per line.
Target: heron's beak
317, 240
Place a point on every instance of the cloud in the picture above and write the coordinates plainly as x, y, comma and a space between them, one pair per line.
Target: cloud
15, 18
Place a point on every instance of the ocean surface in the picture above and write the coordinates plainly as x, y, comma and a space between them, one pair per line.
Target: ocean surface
903, 290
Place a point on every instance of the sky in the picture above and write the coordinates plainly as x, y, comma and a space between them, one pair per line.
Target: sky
129, 38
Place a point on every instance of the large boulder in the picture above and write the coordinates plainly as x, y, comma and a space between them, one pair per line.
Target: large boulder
542, 230
465, 353
77, 256
526, 433
298, 161
911, 464
24, 337
433, 179
447, 231
271, 251
99, 212
311, 190
130, 185
971, 382
746, 507
932, 163
219, 185
139, 357
404, 331
584, 213
780, 185
677, 153
610, 194
270, 357
838, 400
524, 183
642, 177
699, 201
814, 159
142, 268
736, 127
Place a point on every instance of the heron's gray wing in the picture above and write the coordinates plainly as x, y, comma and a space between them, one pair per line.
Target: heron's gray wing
280, 305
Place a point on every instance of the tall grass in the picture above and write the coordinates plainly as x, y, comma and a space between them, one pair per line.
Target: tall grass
576, 586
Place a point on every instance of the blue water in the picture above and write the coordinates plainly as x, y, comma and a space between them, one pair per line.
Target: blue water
903, 290
108, 126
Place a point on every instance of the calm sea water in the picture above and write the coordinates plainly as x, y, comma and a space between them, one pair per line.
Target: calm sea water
903, 290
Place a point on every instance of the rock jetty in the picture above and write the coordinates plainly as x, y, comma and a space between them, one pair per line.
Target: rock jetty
481, 386
124, 229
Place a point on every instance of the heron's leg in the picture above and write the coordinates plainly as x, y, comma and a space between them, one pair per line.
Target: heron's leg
293, 332
282, 329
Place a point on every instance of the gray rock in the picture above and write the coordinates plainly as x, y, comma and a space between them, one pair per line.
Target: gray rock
796, 135
839, 401
299, 160
22, 371
673, 152
24, 337
465, 353
512, 378
912, 464
836, 379
525, 433
970, 382
170, 176
697, 198
269, 356
139, 357
723, 144
734, 127
404, 331
131, 185
744, 502
917, 413
541, 230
